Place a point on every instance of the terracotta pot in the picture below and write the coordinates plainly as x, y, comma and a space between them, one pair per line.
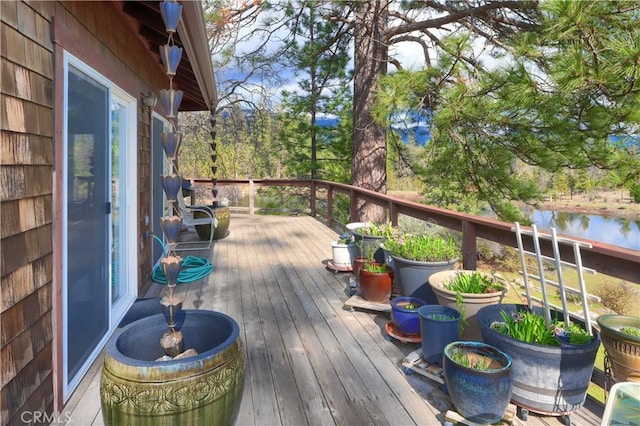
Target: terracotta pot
376, 286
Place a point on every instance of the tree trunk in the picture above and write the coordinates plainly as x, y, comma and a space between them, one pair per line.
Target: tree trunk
369, 151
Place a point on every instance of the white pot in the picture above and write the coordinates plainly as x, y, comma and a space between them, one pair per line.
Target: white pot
343, 254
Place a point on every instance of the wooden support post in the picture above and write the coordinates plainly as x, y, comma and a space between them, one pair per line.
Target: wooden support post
469, 245
312, 201
393, 213
330, 206
251, 198
353, 206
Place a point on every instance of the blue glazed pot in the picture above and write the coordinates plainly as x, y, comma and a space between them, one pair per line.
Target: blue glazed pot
406, 320
438, 327
479, 395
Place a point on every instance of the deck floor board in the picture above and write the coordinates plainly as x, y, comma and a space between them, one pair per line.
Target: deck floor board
310, 359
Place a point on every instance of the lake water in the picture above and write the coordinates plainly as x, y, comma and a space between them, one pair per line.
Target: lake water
617, 231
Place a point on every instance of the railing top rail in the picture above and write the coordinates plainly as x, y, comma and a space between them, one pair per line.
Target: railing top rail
609, 259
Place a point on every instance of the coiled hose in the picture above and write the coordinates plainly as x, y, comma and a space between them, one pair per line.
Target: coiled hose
193, 268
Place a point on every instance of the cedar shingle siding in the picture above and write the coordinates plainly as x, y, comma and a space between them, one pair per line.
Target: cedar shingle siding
98, 34
26, 191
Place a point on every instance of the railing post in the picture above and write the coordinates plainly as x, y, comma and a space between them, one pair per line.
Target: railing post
312, 201
251, 198
469, 248
393, 213
330, 206
353, 206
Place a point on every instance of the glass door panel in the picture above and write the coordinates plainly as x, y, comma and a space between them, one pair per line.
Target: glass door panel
118, 134
87, 218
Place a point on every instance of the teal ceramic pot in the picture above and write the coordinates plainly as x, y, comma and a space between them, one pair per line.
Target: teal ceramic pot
479, 395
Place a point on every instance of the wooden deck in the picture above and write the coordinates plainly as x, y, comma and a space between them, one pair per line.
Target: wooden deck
310, 359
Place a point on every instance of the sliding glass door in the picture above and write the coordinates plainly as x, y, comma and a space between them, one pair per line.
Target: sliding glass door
99, 261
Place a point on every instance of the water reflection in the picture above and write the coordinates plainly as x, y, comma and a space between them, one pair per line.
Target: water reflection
612, 230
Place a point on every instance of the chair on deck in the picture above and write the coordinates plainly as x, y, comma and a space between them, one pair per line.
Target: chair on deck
189, 220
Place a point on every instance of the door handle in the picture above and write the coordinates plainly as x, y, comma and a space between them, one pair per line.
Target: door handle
109, 208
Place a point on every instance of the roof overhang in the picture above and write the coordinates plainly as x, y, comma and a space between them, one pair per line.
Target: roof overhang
195, 72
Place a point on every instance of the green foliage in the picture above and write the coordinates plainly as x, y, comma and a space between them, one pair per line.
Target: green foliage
373, 229
344, 239
423, 248
556, 105
527, 327
631, 331
634, 190
375, 268
618, 296
578, 335
461, 356
475, 283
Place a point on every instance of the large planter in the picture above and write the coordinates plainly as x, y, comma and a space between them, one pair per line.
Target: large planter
405, 320
223, 214
202, 389
375, 286
369, 244
343, 254
412, 277
479, 395
623, 350
471, 303
438, 328
550, 380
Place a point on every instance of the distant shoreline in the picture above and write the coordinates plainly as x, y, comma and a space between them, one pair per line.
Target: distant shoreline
601, 203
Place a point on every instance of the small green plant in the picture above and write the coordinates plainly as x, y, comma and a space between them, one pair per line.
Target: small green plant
462, 357
423, 248
367, 250
344, 239
378, 230
631, 331
375, 268
576, 334
410, 306
440, 317
475, 283
528, 327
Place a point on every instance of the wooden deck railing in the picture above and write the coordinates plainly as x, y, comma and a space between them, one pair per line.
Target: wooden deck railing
607, 259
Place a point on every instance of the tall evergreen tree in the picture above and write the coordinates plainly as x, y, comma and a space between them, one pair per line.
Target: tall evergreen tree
567, 99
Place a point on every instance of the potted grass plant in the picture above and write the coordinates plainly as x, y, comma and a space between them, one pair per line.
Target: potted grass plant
479, 379
468, 292
548, 378
416, 257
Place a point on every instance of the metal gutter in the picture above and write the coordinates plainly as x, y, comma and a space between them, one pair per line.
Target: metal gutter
193, 35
